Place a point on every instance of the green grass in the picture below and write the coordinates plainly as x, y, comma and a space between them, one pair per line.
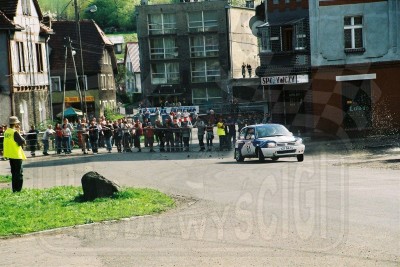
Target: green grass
5, 178
33, 210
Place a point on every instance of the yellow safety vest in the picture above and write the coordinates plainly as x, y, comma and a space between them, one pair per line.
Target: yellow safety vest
220, 129
11, 149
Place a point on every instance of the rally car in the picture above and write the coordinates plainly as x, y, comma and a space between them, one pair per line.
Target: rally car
268, 141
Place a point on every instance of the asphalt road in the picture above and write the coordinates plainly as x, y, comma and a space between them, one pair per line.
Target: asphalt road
333, 209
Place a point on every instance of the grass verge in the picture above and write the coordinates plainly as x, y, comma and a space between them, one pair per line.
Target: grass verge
33, 210
5, 178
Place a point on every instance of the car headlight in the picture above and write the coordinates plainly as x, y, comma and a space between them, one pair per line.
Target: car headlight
271, 144
299, 141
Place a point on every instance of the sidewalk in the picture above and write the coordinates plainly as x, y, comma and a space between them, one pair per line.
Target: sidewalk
319, 142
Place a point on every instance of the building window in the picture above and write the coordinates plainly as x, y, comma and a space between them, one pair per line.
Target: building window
20, 48
163, 48
300, 32
165, 73
353, 32
55, 85
39, 58
106, 58
285, 38
110, 81
206, 96
205, 71
118, 48
26, 7
203, 21
204, 46
265, 44
162, 23
103, 82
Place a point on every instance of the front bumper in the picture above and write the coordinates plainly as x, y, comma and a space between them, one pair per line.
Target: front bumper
287, 151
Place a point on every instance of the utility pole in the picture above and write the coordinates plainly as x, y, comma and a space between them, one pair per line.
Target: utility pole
78, 29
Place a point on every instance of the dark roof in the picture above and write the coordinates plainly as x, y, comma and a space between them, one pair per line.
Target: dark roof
94, 42
44, 29
7, 24
9, 7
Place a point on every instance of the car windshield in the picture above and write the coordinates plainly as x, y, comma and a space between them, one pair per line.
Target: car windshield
271, 130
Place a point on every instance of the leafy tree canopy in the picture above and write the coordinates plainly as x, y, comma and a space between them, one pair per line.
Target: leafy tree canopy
111, 15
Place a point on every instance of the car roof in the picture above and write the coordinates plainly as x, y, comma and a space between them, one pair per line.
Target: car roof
263, 124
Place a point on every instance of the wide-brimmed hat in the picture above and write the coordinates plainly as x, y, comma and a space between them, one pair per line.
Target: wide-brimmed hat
13, 120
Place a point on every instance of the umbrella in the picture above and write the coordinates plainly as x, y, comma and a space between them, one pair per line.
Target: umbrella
70, 112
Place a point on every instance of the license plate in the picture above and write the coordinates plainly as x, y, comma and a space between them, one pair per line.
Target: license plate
286, 148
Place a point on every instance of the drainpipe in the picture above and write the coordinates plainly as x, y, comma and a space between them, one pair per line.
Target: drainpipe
10, 77
49, 77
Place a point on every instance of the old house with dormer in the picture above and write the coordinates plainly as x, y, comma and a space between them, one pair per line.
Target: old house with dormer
133, 85
82, 68
24, 72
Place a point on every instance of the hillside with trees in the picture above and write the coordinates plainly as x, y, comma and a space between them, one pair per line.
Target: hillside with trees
111, 15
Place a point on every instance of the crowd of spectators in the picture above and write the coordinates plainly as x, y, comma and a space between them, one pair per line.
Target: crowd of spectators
171, 133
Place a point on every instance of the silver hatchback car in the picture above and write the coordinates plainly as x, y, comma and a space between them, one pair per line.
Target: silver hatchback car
268, 141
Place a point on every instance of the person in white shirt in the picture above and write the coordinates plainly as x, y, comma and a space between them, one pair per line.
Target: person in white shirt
45, 139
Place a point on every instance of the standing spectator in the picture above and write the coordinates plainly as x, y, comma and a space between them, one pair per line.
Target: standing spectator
108, 132
231, 137
138, 133
249, 69
244, 70
221, 134
160, 133
83, 135
149, 134
59, 137
100, 124
118, 135
169, 135
211, 116
178, 135
201, 127
66, 133
94, 136
210, 135
32, 139
71, 128
240, 122
185, 135
125, 141
13, 151
45, 139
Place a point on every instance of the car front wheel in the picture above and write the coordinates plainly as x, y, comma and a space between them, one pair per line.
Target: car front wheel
261, 157
238, 156
300, 157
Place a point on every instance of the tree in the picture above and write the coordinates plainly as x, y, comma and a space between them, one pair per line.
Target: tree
117, 14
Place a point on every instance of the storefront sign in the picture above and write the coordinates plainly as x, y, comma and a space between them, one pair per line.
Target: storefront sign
167, 110
288, 79
76, 99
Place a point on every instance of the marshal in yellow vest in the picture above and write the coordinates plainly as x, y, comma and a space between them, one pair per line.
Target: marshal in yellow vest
11, 149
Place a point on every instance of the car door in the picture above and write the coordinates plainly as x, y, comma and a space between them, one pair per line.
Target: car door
248, 148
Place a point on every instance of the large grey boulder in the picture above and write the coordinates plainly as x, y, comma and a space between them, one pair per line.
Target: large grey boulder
95, 185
